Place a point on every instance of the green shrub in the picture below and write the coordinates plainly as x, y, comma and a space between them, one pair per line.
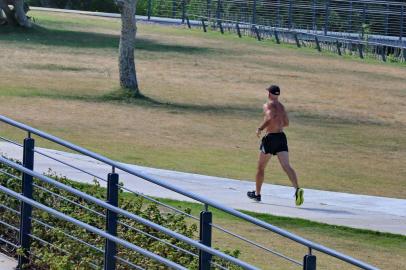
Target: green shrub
79, 256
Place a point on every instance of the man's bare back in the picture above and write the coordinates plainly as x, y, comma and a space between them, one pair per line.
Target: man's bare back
275, 117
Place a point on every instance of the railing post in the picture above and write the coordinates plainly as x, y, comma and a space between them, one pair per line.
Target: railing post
221, 27
360, 48
317, 43
149, 9
205, 239
297, 40
275, 33
256, 30
309, 261
338, 47
383, 53
204, 25
188, 22
237, 26
26, 209
111, 222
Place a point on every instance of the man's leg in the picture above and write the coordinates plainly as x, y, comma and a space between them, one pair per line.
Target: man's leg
259, 178
284, 161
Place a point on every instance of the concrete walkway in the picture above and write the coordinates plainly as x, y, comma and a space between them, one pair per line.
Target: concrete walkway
7, 263
357, 211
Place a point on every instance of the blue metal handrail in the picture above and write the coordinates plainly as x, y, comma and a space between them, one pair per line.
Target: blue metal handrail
124, 213
91, 228
204, 200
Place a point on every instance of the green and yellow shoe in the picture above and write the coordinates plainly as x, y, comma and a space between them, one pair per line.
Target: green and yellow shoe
299, 196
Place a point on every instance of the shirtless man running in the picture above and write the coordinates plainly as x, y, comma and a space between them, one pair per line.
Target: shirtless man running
274, 143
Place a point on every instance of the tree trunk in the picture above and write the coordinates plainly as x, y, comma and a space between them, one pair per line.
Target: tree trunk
17, 15
128, 77
8, 12
2, 17
20, 14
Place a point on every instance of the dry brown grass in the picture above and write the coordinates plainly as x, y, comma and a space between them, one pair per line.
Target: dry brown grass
348, 118
371, 251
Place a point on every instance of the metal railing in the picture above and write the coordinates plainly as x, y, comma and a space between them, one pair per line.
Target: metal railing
206, 224
363, 27
384, 18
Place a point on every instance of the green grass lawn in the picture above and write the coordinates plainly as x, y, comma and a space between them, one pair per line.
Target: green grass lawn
385, 251
204, 97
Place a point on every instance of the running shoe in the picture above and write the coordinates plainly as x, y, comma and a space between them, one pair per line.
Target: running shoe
252, 195
299, 196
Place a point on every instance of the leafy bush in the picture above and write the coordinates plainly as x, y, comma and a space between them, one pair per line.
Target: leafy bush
67, 253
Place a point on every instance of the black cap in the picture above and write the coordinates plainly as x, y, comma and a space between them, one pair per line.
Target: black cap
274, 90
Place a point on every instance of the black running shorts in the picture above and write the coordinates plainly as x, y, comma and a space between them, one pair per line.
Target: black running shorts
273, 143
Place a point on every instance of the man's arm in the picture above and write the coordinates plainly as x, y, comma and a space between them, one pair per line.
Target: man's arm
265, 123
285, 117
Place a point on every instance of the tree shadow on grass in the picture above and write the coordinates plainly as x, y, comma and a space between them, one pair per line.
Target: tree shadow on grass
77, 39
126, 97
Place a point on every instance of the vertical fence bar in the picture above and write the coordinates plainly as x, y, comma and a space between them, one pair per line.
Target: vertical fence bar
173, 8
208, 9
183, 10
205, 239
314, 15
290, 14
364, 17
350, 19
326, 21
218, 11
401, 22
149, 9
26, 209
278, 13
386, 19
254, 13
111, 222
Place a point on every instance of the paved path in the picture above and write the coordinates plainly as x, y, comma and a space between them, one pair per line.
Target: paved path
7, 263
358, 211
